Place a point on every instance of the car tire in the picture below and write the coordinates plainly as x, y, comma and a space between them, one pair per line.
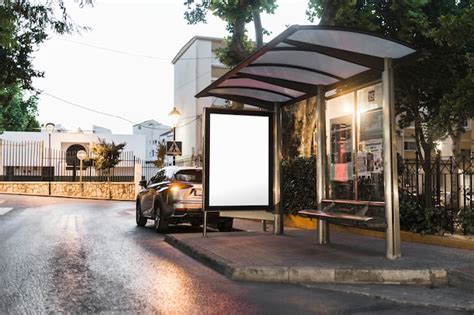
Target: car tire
161, 225
225, 226
139, 218
196, 224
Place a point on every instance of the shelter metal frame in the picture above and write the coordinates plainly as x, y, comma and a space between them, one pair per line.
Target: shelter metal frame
307, 61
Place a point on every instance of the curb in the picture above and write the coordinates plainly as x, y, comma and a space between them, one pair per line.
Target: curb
461, 280
387, 297
286, 274
310, 224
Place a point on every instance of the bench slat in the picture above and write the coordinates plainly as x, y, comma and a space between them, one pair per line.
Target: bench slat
321, 214
355, 202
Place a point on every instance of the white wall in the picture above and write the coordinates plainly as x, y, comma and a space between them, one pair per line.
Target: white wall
185, 73
135, 143
192, 73
152, 131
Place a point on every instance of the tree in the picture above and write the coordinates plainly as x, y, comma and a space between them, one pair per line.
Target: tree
427, 89
106, 155
18, 113
236, 13
160, 155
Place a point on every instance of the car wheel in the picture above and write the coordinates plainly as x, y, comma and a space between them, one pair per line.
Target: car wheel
225, 226
161, 225
196, 224
139, 218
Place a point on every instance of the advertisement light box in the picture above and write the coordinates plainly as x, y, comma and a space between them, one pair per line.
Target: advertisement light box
238, 160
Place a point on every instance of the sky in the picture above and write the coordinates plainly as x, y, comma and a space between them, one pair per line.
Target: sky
122, 65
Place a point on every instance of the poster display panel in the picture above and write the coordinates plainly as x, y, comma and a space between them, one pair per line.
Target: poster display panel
238, 160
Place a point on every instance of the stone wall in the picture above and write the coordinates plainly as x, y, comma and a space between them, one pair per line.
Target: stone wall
114, 191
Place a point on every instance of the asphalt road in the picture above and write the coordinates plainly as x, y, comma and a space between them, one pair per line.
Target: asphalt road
84, 256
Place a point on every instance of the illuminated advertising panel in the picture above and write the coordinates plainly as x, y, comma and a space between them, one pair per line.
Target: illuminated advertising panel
238, 160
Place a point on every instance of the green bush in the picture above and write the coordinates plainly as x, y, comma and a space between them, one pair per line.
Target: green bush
415, 218
298, 184
466, 221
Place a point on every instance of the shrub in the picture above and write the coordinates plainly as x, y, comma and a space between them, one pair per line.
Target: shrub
298, 184
415, 218
466, 221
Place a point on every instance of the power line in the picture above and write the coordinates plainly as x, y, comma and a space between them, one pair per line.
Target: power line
113, 115
129, 53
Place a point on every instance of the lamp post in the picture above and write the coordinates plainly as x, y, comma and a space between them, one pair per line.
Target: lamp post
49, 129
175, 115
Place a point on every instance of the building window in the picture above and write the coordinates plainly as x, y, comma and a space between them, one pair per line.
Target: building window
152, 153
409, 146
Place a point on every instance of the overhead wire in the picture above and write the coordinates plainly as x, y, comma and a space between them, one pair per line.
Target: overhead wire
129, 53
113, 115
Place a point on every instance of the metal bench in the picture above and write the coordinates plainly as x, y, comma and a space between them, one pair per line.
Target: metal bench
360, 214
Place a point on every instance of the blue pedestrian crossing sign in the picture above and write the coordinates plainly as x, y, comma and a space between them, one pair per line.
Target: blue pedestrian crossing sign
174, 148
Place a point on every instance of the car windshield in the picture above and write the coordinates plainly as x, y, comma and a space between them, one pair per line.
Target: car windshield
194, 176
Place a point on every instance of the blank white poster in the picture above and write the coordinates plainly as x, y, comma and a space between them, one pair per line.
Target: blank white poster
239, 160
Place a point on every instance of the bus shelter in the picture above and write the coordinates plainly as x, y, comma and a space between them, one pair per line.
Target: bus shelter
351, 74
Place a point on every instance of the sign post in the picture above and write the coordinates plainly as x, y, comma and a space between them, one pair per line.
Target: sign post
81, 155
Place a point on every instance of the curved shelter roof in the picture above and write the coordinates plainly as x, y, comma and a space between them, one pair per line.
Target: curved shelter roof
290, 67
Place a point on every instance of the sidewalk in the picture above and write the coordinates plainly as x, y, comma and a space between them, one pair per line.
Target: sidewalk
295, 257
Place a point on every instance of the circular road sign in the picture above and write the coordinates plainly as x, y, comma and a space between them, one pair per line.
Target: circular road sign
81, 155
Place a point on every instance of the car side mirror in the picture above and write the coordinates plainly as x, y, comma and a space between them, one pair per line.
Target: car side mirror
142, 183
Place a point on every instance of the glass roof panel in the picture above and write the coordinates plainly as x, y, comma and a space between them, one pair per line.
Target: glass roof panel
257, 94
353, 41
258, 84
312, 60
284, 45
290, 74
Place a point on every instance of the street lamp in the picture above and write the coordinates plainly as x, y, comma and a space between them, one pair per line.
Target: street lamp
49, 129
175, 115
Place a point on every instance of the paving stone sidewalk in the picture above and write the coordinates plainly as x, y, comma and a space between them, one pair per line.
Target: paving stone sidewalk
253, 255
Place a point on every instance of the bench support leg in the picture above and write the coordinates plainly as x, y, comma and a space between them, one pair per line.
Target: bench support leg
323, 232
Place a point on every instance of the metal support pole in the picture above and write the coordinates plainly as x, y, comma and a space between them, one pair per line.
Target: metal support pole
204, 225
277, 121
264, 225
174, 139
392, 211
321, 163
49, 158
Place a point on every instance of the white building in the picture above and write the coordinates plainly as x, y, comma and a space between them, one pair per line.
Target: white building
64, 139
195, 67
28, 153
151, 130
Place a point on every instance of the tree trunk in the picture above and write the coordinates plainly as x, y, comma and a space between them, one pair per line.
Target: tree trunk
236, 45
456, 160
258, 27
299, 125
428, 190
330, 9
308, 127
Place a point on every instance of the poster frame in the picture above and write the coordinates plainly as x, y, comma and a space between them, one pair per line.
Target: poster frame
207, 125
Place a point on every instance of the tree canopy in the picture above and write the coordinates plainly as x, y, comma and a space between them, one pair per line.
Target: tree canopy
433, 94
106, 155
236, 13
23, 26
18, 112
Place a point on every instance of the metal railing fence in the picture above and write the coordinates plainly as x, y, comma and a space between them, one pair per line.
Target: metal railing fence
34, 161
